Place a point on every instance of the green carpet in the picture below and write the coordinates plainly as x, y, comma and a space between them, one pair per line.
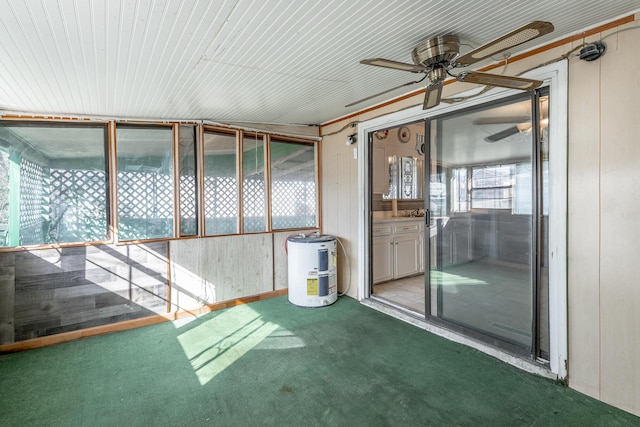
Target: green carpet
270, 363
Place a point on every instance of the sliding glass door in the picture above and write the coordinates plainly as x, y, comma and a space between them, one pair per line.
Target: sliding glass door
487, 186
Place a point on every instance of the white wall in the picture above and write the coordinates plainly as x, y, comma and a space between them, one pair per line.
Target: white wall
603, 233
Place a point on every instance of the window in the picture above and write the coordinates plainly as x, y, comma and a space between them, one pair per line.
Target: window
254, 189
438, 193
188, 182
55, 186
145, 182
522, 202
53, 183
220, 183
491, 186
459, 191
293, 185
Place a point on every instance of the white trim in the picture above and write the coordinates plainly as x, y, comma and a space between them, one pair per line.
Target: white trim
558, 137
556, 77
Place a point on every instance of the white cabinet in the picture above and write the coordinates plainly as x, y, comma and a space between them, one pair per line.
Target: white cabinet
406, 259
382, 259
397, 249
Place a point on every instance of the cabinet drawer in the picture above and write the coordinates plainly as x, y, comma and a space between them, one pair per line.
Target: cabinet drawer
407, 228
381, 230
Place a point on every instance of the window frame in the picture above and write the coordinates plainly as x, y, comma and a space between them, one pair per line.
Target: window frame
111, 178
71, 123
114, 183
316, 171
202, 179
177, 180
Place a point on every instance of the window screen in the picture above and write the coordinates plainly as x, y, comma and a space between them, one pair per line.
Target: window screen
293, 185
188, 182
145, 182
254, 189
220, 183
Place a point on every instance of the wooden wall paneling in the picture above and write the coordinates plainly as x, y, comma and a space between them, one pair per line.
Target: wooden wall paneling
619, 225
348, 231
189, 286
583, 233
224, 264
340, 203
142, 267
7, 297
211, 270
256, 265
280, 261
58, 290
218, 252
129, 324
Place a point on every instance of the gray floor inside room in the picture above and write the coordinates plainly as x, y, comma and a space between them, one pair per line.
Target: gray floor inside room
488, 297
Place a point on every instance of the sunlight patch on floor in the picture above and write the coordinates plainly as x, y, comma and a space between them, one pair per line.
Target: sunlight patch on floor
217, 343
447, 279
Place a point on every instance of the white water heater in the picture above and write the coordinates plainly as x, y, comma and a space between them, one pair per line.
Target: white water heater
312, 270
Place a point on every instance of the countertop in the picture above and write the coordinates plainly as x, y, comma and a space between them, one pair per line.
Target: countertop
398, 218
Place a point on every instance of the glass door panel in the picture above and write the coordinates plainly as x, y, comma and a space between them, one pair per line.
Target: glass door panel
481, 227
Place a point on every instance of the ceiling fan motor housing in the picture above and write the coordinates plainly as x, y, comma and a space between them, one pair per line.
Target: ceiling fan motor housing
437, 50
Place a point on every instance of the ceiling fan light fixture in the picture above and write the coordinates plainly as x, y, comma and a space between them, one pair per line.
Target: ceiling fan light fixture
432, 96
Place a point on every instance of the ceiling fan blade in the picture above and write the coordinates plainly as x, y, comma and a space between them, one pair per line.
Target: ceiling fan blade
387, 63
523, 34
502, 134
498, 80
500, 120
386, 91
432, 95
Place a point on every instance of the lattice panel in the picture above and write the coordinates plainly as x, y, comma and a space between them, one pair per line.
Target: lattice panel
143, 195
221, 204
188, 204
293, 204
4, 189
221, 197
253, 202
33, 198
254, 205
78, 205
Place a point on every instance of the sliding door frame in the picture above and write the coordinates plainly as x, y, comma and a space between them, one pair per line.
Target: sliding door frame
555, 76
533, 98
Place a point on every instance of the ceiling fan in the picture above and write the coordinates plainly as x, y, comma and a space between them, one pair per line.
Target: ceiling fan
520, 124
439, 55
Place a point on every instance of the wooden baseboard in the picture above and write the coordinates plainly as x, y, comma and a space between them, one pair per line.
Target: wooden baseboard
132, 324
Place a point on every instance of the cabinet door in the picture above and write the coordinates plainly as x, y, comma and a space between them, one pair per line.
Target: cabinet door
382, 259
406, 255
380, 170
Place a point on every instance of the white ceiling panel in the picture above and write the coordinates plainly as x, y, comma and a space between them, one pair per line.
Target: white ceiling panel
240, 60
